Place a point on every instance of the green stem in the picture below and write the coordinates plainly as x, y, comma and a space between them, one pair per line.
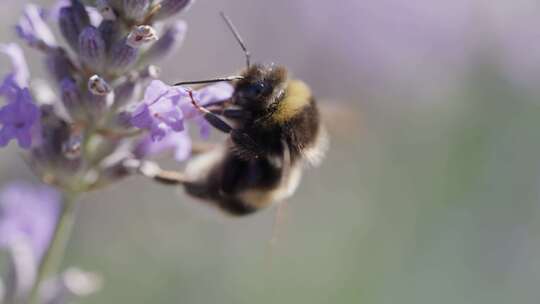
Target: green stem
55, 252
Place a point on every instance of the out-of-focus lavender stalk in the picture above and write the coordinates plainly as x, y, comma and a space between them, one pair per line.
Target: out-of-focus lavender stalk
99, 120
55, 251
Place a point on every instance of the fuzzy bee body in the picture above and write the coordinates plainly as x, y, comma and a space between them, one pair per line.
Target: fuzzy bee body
276, 131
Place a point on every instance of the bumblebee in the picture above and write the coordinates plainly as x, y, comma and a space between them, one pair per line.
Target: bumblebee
274, 128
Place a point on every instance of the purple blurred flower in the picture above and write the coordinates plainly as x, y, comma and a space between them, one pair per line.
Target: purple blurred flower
33, 29
160, 111
178, 142
28, 213
20, 120
19, 76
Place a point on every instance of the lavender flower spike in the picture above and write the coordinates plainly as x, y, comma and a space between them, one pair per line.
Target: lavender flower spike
20, 120
33, 29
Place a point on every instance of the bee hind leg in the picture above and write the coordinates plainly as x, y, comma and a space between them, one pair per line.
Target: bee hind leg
152, 170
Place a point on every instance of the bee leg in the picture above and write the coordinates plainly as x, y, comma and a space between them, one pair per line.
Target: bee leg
251, 149
152, 170
210, 117
235, 114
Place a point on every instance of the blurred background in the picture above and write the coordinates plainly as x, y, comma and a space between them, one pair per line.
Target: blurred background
429, 193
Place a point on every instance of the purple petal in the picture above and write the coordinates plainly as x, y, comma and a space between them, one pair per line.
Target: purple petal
20, 73
179, 143
158, 132
6, 134
155, 90
24, 138
33, 29
214, 93
141, 118
20, 119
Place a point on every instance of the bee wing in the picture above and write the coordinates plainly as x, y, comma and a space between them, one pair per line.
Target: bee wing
340, 118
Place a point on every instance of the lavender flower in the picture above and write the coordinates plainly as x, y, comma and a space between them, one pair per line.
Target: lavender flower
19, 75
28, 213
164, 107
177, 142
33, 29
58, 64
72, 20
105, 10
159, 111
123, 56
20, 120
70, 94
92, 48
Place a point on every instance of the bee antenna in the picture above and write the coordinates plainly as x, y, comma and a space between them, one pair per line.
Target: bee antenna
237, 37
221, 79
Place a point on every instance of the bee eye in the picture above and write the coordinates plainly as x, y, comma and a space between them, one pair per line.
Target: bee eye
254, 90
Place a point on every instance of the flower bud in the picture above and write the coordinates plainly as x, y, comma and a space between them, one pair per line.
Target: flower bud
72, 20
110, 32
141, 35
98, 86
168, 43
122, 56
72, 98
169, 8
105, 10
49, 156
71, 148
92, 48
136, 9
59, 64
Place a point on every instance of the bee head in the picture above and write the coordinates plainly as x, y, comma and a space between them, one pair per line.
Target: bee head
260, 88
